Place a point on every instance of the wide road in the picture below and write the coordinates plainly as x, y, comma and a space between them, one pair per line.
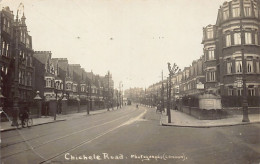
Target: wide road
129, 135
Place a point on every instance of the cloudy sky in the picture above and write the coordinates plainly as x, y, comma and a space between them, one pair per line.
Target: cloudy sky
133, 39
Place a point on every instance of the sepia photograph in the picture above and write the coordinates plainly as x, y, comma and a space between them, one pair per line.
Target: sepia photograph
130, 81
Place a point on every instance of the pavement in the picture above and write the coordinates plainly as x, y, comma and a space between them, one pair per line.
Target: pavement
178, 119
6, 126
181, 119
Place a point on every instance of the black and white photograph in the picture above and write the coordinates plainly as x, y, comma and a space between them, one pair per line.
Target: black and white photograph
130, 81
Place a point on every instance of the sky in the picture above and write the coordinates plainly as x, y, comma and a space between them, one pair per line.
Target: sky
133, 39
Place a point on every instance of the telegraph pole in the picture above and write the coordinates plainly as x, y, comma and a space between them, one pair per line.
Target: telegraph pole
108, 94
162, 93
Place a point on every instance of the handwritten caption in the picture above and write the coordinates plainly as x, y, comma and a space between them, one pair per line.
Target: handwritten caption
106, 156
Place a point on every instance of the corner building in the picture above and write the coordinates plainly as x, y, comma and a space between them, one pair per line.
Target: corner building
223, 46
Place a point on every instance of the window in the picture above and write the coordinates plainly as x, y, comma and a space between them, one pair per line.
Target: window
7, 50
236, 12
255, 11
29, 79
238, 66
237, 38
210, 33
247, 11
230, 91
225, 14
82, 88
251, 90
249, 66
48, 82
211, 76
20, 77
57, 85
257, 67
256, 39
239, 91
61, 86
3, 47
229, 67
211, 54
68, 86
248, 38
228, 40
74, 88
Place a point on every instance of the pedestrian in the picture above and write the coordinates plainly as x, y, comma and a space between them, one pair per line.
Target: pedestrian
23, 114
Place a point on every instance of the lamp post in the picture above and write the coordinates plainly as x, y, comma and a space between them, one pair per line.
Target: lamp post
245, 103
16, 75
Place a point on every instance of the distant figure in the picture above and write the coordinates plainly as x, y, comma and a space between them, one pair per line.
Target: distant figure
137, 106
158, 108
23, 114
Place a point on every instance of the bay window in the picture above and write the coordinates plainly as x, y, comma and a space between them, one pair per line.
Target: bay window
228, 40
238, 66
248, 38
229, 67
249, 66
237, 38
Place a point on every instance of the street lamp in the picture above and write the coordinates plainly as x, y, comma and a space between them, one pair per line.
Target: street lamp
16, 75
245, 103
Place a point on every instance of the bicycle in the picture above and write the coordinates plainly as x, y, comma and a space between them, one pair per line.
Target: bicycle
28, 121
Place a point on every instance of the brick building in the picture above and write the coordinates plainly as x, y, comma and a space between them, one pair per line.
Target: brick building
15, 39
47, 79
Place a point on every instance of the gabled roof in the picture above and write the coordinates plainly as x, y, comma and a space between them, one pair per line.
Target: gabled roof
42, 56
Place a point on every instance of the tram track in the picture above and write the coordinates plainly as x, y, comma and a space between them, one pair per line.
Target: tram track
92, 139
65, 136
46, 133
